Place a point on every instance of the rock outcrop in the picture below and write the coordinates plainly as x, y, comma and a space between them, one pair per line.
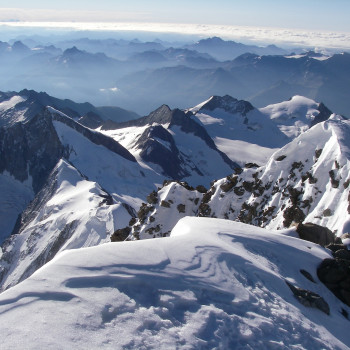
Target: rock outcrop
335, 273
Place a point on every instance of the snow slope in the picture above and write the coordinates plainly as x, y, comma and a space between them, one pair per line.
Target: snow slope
70, 212
239, 130
212, 284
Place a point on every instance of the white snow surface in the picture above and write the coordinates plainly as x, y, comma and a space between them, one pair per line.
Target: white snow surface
12, 102
243, 152
212, 284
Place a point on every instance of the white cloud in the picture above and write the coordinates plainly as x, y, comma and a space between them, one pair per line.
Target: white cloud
280, 36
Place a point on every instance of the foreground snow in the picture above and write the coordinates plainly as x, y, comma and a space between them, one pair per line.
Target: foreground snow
212, 284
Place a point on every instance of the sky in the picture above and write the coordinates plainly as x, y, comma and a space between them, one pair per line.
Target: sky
327, 15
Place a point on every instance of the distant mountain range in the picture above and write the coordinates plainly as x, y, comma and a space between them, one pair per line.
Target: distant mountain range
140, 76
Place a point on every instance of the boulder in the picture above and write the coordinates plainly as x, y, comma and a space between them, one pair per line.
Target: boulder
121, 234
316, 234
335, 274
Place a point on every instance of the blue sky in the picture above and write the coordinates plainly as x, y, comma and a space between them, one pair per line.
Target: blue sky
330, 15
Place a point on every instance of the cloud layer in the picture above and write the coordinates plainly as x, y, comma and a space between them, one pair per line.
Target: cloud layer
280, 36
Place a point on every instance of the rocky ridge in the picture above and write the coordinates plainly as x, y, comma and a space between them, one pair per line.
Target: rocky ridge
306, 181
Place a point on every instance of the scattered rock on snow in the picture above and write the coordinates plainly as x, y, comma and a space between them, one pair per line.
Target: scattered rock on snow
309, 299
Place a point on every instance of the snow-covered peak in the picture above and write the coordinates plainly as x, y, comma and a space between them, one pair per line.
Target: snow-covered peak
227, 103
296, 115
177, 143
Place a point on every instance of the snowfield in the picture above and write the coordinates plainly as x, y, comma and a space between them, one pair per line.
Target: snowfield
212, 284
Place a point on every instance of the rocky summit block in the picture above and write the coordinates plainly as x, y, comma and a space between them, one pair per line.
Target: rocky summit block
316, 234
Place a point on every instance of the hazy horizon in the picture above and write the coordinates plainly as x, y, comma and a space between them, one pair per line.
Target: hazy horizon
283, 37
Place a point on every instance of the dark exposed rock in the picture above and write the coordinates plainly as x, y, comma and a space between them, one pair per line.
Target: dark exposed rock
308, 176
121, 234
248, 186
107, 199
34, 146
229, 183
317, 154
228, 104
239, 191
294, 194
346, 183
143, 212
334, 247
335, 274
165, 204
309, 299
342, 254
152, 198
295, 166
158, 146
91, 120
346, 296
181, 208
291, 215
323, 115
332, 271
280, 158
307, 275
251, 165
327, 212
344, 313
201, 189
204, 210
132, 221
334, 181
247, 213
316, 234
